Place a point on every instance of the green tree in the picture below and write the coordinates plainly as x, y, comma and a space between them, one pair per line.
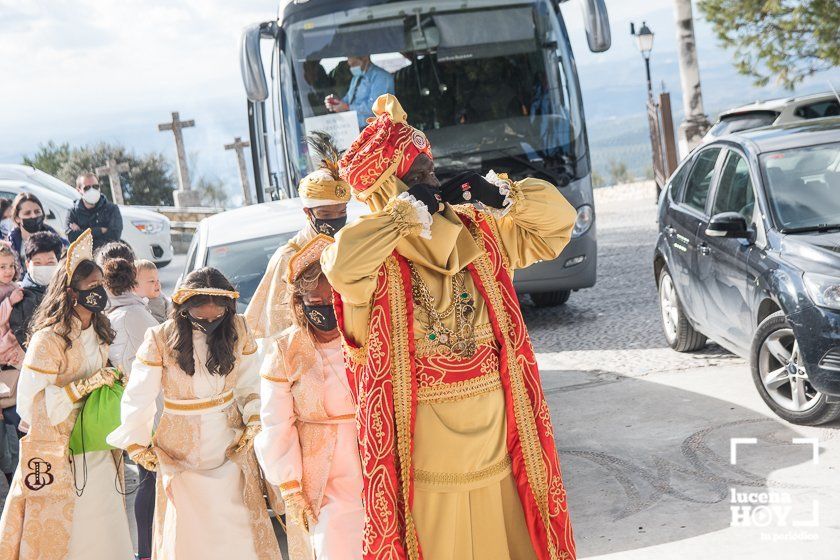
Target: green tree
149, 180
212, 191
785, 39
619, 172
49, 158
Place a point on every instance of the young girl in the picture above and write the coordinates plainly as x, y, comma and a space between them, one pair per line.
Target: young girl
308, 446
11, 355
209, 493
61, 506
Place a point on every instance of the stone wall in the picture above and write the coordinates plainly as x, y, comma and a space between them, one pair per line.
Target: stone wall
183, 222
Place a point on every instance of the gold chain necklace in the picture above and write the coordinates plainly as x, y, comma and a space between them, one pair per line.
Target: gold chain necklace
459, 341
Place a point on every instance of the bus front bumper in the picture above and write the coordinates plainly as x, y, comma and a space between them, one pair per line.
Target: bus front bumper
574, 269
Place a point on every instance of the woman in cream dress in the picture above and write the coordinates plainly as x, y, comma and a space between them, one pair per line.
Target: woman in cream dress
63, 507
209, 493
309, 445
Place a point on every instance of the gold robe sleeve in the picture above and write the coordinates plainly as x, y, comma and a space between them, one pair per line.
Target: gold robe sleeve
45, 353
149, 352
539, 224
351, 263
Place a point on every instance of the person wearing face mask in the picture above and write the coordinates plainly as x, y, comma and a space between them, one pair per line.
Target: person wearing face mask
456, 439
209, 489
28, 216
308, 446
42, 251
368, 83
78, 496
95, 212
7, 224
324, 196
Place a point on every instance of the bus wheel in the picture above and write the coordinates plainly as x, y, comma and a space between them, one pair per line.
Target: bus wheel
550, 299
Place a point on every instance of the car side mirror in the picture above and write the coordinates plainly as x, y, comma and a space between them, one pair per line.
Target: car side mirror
728, 224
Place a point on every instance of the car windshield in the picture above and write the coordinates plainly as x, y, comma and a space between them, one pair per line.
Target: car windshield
742, 121
803, 186
489, 83
244, 262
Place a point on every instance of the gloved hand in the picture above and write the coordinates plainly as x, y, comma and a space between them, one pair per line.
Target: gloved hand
298, 511
428, 195
247, 438
102, 377
469, 187
146, 458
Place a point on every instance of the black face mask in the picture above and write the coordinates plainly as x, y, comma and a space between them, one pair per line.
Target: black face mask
93, 300
206, 325
322, 317
32, 225
328, 227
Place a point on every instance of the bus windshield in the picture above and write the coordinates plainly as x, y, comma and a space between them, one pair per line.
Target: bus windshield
490, 87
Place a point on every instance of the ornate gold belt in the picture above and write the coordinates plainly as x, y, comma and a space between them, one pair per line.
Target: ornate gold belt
198, 406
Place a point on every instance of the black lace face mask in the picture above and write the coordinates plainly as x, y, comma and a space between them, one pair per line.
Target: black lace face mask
328, 227
94, 300
322, 317
206, 326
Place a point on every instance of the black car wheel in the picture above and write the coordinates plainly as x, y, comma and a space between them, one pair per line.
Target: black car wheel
550, 299
679, 333
780, 376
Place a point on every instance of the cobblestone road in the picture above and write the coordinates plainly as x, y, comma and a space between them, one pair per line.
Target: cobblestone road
615, 325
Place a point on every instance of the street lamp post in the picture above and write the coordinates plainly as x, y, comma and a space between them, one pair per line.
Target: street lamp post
644, 40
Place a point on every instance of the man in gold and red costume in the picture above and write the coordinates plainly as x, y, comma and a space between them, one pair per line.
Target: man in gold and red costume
456, 440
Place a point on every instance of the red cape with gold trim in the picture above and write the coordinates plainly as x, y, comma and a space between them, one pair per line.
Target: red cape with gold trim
383, 378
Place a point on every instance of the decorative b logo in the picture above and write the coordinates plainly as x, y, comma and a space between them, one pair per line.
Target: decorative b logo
40, 475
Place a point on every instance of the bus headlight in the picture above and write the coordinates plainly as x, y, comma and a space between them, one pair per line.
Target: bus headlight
823, 290
583, 221
150, 227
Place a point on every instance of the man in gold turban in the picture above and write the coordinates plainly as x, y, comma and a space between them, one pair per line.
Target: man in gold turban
457, 446
324, 195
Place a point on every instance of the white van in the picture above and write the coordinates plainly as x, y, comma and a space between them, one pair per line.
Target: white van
145, 231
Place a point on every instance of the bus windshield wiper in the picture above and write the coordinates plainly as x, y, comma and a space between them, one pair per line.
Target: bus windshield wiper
806, 229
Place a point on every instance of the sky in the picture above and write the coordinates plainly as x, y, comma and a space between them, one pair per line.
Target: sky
89, 70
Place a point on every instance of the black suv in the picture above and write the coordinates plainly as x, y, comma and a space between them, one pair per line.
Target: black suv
748, 255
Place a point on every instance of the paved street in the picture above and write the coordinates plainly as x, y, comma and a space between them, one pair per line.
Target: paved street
645, 433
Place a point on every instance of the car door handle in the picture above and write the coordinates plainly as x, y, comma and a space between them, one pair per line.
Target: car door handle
670, 230
704, 249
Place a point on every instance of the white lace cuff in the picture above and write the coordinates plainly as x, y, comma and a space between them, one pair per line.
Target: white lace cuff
506, 189
411, 215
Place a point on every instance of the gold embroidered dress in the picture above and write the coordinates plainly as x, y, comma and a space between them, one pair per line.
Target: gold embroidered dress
308, 442
44, 517
209, 495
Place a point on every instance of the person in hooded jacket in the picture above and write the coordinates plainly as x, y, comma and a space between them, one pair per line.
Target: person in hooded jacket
28, 214
94, 211
43, 251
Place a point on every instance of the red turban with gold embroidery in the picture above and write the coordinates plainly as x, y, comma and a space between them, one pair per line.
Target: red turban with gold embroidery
388, 145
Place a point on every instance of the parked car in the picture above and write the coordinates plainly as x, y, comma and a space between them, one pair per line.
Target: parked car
147, 232
748, 255
774, 112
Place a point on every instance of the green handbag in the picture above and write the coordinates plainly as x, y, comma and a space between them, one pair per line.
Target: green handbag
99, 416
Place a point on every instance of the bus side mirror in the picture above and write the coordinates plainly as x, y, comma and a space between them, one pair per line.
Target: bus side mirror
597, 24
250, 59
